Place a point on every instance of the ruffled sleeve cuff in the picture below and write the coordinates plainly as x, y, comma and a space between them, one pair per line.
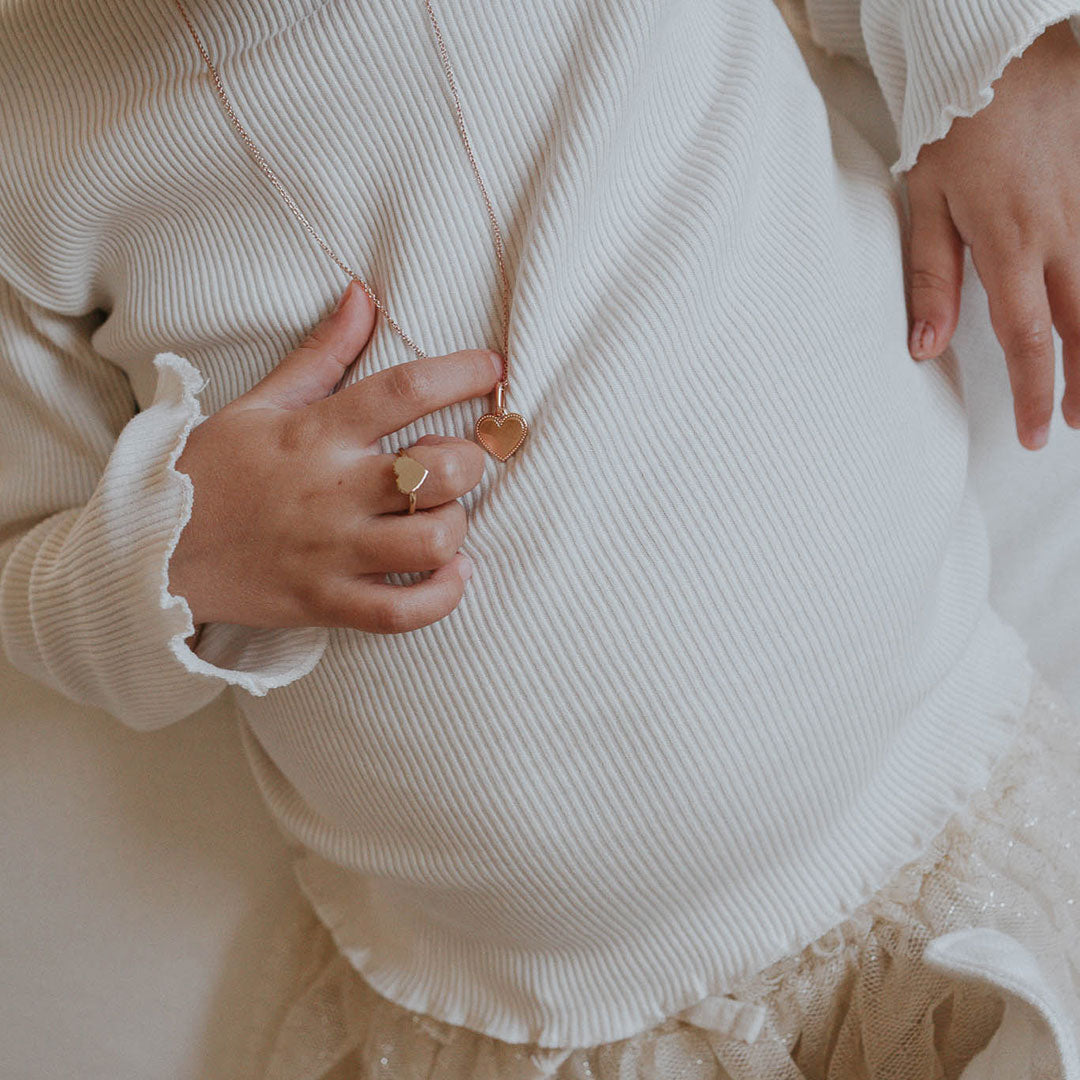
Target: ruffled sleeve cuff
84, 599
936, 59
256, 660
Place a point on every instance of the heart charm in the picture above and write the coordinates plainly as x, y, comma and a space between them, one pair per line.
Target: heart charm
409, 474
501, 433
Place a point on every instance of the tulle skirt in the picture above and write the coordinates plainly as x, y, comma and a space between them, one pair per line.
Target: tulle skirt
865, 1000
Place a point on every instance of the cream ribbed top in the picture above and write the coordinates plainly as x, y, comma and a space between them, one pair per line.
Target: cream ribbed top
726, 661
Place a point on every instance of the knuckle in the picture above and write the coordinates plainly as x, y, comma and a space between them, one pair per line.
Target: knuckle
1009, 237
320, 334
439, 541
290, 432
1026, 215
310, 545
316, 598
455, 471
315, 341
1028, 337
324, 337
1033, 407
389, 616
296, 434
463, 466
409, 383
319, 344
926, 279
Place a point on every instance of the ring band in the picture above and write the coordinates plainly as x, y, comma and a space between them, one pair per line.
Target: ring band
409, 474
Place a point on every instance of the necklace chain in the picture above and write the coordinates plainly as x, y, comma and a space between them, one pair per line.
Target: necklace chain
272, 177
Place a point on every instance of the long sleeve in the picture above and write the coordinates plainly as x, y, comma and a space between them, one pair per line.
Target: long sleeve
934, 60
91, 509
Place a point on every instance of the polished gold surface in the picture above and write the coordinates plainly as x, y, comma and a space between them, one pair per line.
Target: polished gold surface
409, 474
501, 434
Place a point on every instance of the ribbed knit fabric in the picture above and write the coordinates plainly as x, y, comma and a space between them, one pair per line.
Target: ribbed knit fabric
934, 59
726, 661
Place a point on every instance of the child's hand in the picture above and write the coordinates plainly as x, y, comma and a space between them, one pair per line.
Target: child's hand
1006, 181
296, 516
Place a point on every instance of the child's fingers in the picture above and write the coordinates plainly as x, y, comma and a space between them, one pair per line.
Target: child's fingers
936, 270
312, 370
1063, 288
381, 608
1020, 313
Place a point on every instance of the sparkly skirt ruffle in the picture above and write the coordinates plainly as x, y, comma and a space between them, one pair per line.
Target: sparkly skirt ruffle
860, 1001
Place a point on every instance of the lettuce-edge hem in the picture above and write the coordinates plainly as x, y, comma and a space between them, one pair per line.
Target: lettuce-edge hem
978, 100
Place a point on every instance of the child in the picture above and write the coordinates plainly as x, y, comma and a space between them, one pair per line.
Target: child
720, 764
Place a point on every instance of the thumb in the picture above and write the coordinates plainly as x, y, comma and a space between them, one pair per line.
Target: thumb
937, 272
315, 367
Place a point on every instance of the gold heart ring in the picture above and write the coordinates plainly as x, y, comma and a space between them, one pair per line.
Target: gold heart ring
409, 474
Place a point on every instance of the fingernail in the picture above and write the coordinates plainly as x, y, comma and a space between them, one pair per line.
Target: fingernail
922, 337
344, 296
1039, 437
466, 567
496, 359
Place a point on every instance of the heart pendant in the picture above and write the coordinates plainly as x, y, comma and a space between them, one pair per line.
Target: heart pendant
501, 433
409, 474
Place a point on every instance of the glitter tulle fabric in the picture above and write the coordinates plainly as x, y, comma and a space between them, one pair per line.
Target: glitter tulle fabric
858, 1003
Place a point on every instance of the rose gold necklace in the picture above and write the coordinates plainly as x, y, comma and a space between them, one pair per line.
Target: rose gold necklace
499, 432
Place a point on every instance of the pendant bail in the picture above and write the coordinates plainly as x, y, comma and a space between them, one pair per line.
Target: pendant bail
500, 386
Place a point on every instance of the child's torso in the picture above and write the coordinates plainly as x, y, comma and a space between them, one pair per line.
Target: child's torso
734, 582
